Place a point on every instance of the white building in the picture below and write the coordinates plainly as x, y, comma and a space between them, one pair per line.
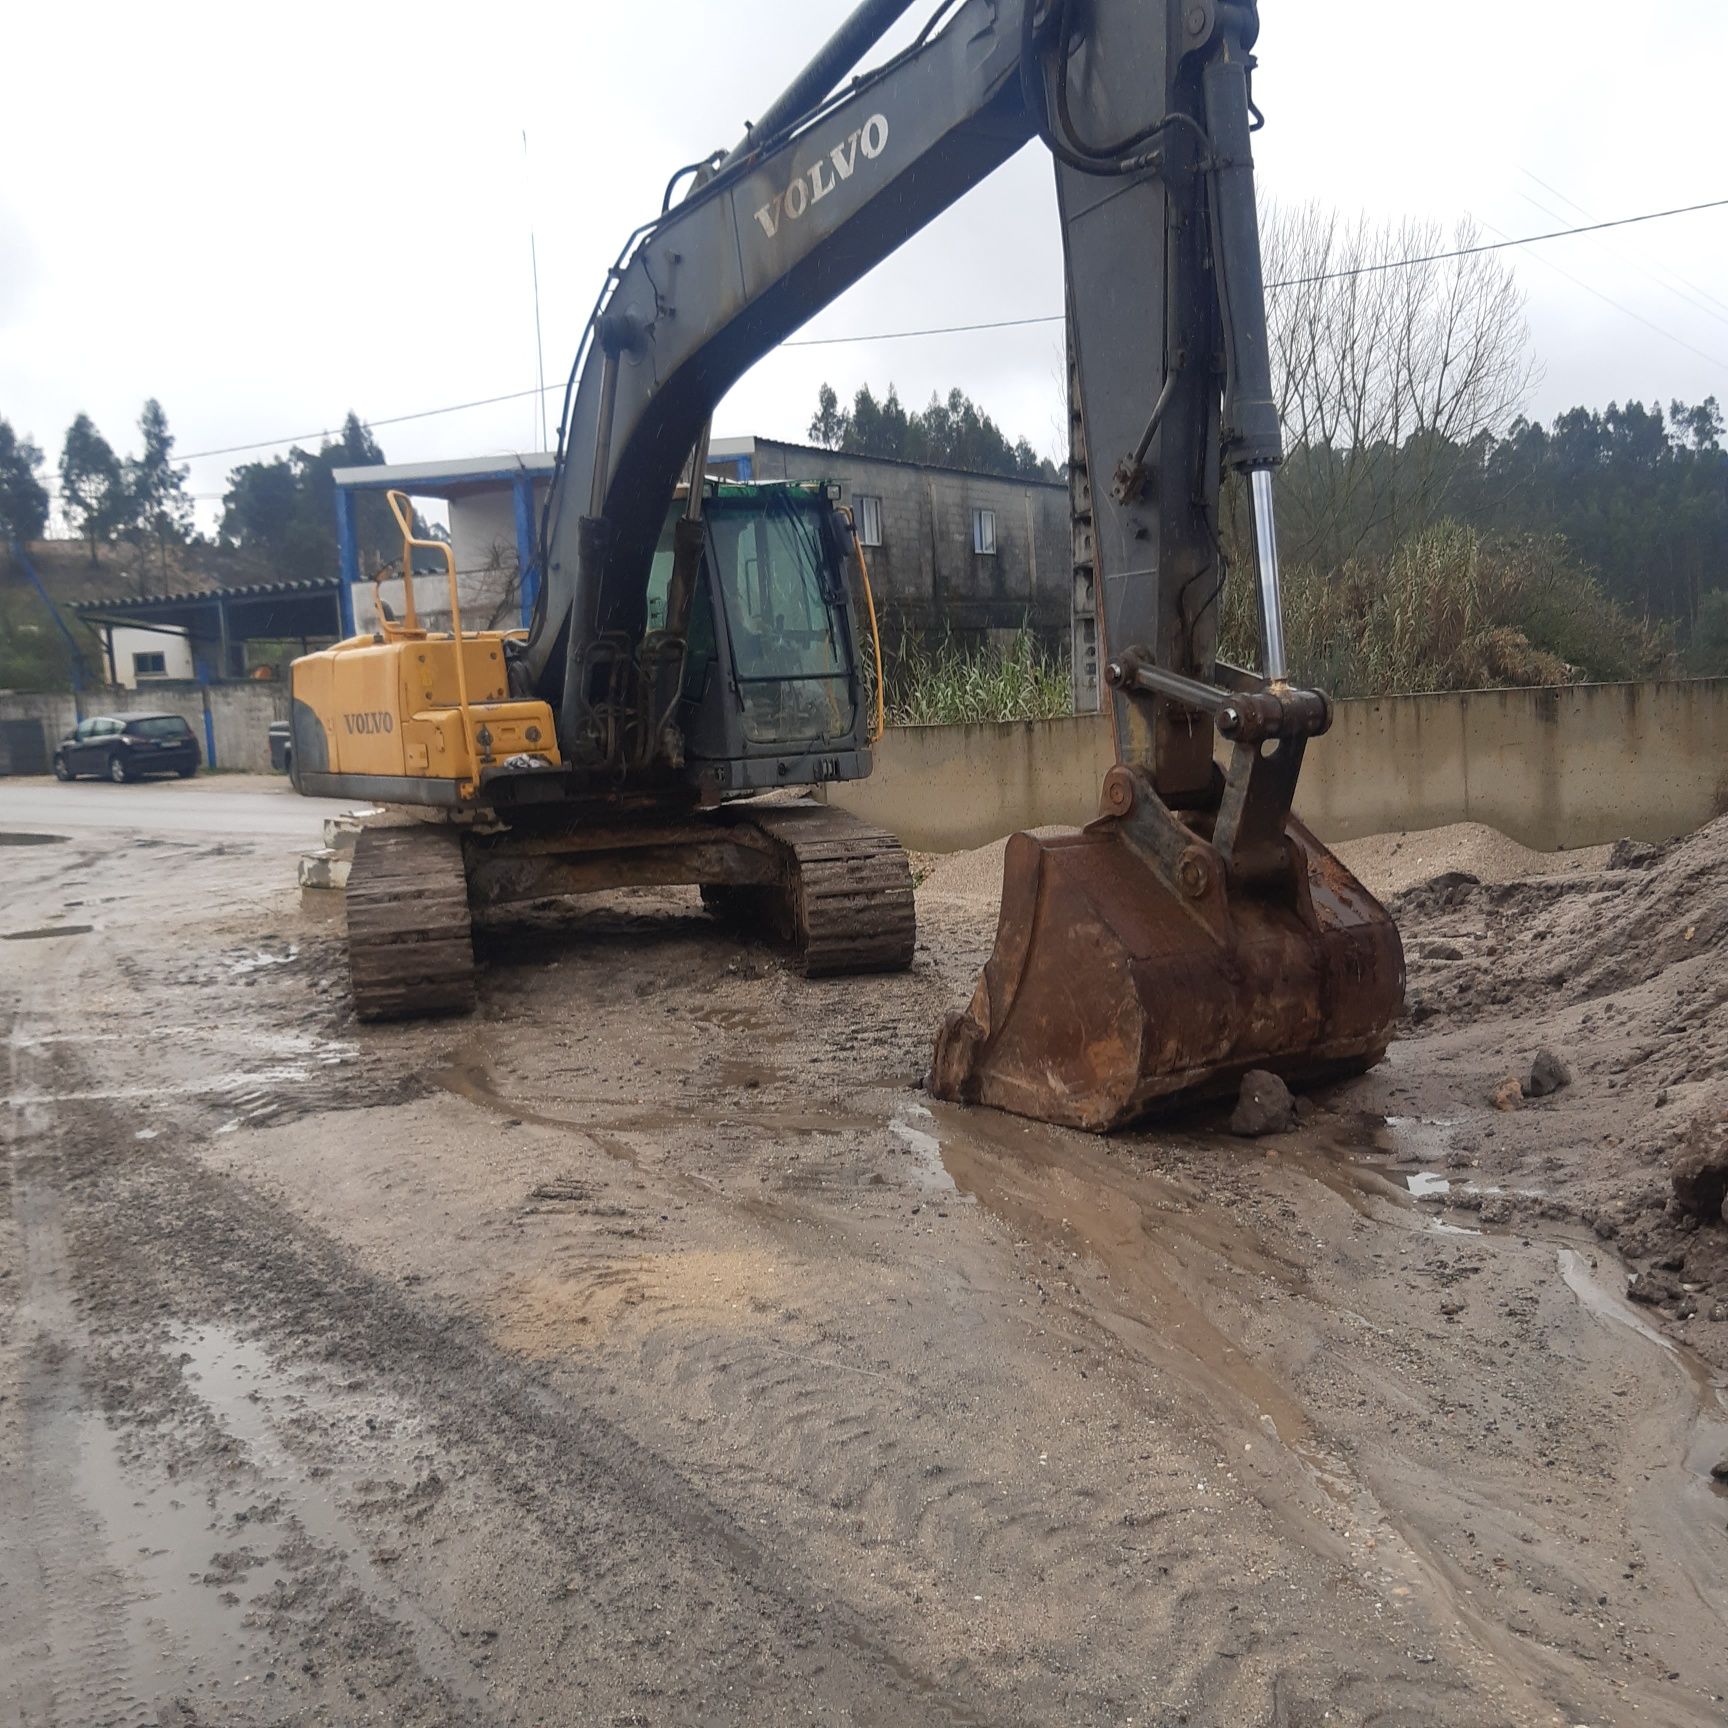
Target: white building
140, 657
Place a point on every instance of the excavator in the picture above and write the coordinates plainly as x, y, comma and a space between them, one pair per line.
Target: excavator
695, 646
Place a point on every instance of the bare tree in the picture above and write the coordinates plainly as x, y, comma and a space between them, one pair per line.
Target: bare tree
1391, 364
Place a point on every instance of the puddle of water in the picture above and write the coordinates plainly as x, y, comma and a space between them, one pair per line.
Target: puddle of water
243, 1083
165, 1540
1156, 1238
904, 1130
251, 1399
1707, 1444
32, 839
259, 959
733, 1019
469, 1075
1426, 1183
1603, 1303
746, 1076
1418, 1139
50, 930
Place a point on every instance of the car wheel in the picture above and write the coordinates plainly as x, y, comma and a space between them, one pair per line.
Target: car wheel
117, 770
61, 771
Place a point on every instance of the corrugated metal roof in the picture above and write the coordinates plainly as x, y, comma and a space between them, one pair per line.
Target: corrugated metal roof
203, 596
465, 470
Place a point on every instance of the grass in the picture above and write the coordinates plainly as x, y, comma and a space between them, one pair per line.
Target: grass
952, 686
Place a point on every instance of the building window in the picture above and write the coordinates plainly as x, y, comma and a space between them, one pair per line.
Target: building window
984, 532
869, 518
149, 665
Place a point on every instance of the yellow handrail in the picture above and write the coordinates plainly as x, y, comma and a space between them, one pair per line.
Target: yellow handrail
402, 508
875, 634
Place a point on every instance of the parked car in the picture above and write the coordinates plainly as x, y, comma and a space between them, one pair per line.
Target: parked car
128, 746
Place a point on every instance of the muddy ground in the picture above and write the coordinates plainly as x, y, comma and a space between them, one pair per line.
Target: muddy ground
649, 1349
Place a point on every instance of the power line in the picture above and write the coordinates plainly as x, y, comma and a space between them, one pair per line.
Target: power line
391, 420
1609, 300
1700, 299
1306, 281
934, 330
1478, 250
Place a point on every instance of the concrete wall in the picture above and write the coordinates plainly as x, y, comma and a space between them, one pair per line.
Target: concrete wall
1567, 767
1551, 767
240, 715
926, 577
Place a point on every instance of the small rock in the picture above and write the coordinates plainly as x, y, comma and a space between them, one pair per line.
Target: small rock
1699, 1178
1632, 855
1448, 879
1509, 1094
1442, 951
1720, 1471
1264, 1106
1719, 1311
1651, 1288
1547, 1074
1605, 1227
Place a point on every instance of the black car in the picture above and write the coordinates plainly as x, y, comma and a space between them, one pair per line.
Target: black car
128, 746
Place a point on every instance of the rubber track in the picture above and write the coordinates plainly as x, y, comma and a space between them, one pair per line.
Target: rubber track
410, 942
850, 888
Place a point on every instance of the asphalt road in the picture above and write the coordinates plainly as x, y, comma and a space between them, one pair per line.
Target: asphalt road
255, 806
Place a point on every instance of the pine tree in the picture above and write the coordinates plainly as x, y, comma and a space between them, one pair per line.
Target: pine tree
92, 483
23, 498
156, 490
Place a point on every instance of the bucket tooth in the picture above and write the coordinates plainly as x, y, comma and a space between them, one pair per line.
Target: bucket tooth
1113, 991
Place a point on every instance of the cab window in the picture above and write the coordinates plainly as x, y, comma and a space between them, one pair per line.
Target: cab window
784, 616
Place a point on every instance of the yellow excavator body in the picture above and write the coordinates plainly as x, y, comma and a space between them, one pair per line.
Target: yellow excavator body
392, 709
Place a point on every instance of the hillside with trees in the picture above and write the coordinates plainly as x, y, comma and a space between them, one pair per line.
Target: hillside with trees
134, 532
951, 433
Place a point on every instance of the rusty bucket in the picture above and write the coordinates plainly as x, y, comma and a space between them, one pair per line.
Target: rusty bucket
1119, 985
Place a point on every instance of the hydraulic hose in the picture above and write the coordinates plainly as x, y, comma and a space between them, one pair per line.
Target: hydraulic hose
1128, 155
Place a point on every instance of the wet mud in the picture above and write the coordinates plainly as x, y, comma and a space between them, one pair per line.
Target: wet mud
651, 1349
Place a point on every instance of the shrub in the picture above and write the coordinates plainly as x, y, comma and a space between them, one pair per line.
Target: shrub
1450, 609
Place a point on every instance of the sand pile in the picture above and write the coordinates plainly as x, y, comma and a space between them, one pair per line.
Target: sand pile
1389, 864
1386, 863
972, 878
1636, 912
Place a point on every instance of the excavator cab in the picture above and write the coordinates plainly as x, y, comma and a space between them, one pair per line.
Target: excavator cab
771, 692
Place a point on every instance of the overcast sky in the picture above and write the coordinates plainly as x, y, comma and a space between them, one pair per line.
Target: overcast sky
267, 215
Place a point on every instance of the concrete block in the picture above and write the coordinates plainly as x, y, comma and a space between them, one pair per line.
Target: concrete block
324, 869
340, 833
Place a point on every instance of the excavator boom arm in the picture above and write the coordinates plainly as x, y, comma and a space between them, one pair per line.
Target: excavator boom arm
723, 278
